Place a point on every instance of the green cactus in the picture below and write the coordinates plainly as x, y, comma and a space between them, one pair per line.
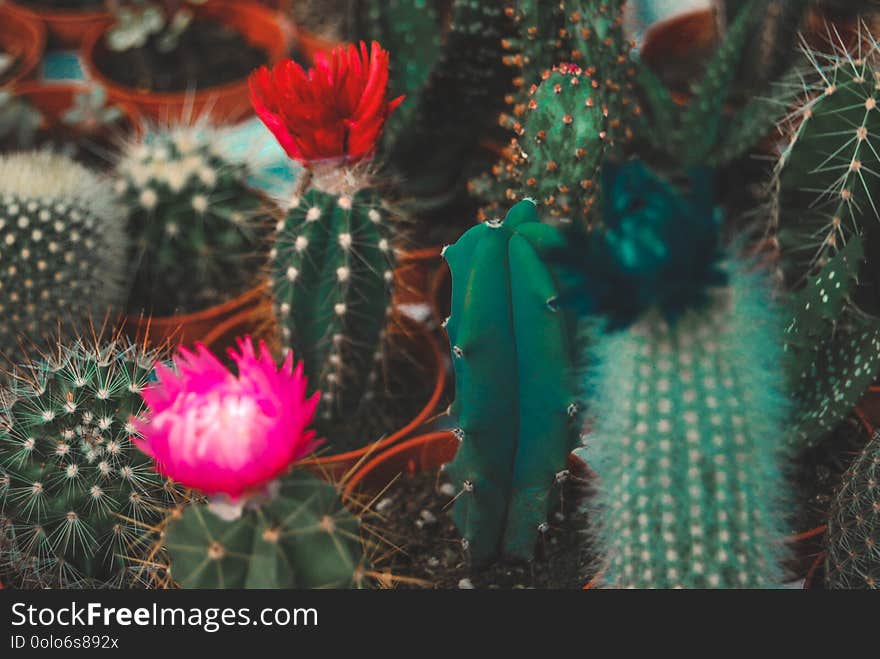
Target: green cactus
512, 351
302, 537
62, 252
79, 503
686, 425
852, 542
332, 277
196, 227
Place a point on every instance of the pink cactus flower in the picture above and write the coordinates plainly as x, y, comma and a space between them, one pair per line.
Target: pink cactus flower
219, 433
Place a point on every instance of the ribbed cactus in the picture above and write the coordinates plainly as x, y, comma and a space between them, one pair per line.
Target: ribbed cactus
687, 422
78, 501
197, 229
512, 352
301, 537
62, 248
852, 543
332, 276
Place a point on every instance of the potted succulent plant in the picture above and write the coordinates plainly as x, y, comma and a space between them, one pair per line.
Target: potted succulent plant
176, 59
67, 21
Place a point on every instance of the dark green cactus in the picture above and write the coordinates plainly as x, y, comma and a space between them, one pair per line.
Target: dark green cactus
197, 229
302, 537
79, 503
852, 543
332, 277
687, 419
62, 252
512, 353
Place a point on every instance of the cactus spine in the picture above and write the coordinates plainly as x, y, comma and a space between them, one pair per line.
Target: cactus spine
62, 251
78, 501
332, 277
512, 352
852, 543
302, 537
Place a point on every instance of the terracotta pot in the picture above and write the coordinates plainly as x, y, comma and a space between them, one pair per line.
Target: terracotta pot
258, 322
24, 37
342, 466
413, 275
54, 99
66, 29
187, 329
224, 103
308, 44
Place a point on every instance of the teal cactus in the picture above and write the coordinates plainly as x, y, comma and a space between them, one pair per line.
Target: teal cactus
63, 249
512, 353
197, 229
301, 537
332, 278
78, 501
852, 542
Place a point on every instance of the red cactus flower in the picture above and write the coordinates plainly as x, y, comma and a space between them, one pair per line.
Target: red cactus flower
335, 111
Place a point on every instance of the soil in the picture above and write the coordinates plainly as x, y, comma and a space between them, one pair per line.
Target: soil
209, 54
414, 514
63, 5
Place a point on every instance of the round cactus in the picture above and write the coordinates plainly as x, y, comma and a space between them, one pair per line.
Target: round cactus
78, 501
196, 226
852, 553
62, 248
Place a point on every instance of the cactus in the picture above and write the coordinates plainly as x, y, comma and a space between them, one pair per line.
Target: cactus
852, 542
196, 227
332, 276
302, 537
512, 351
63, 248
78, 502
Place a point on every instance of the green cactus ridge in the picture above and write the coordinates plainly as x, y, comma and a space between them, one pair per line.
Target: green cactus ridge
852, 542
78, 501
62, 251
686, 445
332, 278
196, 226
303, 537
511, 350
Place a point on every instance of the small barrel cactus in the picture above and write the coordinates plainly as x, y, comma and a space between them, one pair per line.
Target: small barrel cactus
197, 229
301, 537
512, 349
78, 501
852, 543
62, 248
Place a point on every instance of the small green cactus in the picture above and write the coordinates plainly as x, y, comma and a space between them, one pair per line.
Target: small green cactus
852, 543
332, 277
78, 501
301, 537
62, 249
512, 353
196, 227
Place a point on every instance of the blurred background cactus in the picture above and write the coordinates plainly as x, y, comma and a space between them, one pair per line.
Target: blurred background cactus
78, 502
63, 250
137, 21
198, 231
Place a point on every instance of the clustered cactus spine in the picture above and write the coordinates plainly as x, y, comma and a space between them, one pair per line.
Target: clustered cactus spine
79, 503
62, 249
512, 353
196, 227
302, 537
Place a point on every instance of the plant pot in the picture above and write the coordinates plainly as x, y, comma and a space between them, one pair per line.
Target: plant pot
343, 466
66, 29
413, 276
226, 103
24, 37
258, 322
201, 326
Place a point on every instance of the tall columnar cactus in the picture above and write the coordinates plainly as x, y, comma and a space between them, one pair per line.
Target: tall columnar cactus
196, 228
62, 248
512, 352
78, 502
852, 543
332, 278
303, 537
